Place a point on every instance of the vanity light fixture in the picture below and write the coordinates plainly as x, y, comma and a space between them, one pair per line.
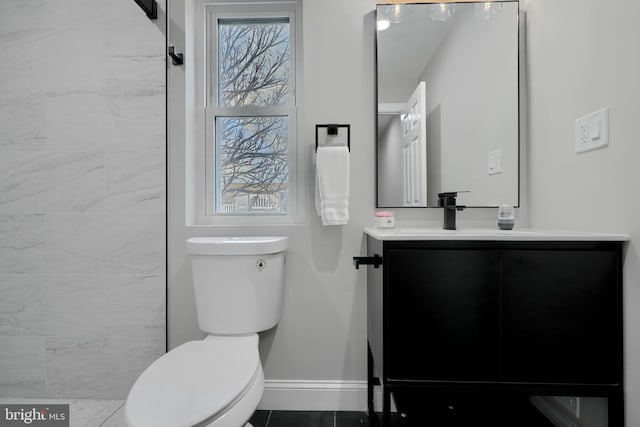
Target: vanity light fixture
486, 10
441, 11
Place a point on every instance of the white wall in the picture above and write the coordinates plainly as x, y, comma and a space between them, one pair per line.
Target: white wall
583, 56
321, 335
472, 81
82, 204
321, 338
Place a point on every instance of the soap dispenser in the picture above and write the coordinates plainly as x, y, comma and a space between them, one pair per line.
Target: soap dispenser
506, 217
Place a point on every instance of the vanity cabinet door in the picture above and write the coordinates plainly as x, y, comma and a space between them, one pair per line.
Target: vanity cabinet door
443, 314
559, 316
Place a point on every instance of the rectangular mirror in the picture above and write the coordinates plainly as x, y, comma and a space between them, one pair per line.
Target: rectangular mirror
448, 103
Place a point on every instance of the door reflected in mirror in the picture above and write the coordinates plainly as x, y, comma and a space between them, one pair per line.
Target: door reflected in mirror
448, 103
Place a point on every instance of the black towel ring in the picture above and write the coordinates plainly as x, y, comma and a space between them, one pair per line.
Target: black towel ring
333, 130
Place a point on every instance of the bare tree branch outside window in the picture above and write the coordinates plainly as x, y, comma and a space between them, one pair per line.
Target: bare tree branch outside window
252, 151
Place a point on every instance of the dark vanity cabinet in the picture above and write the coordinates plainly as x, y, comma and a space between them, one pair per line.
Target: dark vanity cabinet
438, 317
451, 323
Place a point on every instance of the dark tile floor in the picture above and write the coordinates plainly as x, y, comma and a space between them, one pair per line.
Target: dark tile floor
528, 418
309, 419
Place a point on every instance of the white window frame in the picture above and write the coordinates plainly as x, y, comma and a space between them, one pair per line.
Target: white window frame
207, 14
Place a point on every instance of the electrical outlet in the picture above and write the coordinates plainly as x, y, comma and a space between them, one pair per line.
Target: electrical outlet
582, 132
592, 131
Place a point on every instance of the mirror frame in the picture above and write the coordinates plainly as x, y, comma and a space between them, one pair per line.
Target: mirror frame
520, 68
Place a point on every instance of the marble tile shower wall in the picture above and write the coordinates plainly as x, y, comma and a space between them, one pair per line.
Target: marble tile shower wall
82, 197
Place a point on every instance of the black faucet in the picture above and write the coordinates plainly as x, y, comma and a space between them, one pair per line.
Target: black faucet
448, 202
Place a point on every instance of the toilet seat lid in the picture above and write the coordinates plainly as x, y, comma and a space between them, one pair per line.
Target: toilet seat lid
194, 382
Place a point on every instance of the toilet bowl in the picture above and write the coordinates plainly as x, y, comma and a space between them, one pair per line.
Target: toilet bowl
216, 382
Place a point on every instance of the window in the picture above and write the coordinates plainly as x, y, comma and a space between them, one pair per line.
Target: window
250, 111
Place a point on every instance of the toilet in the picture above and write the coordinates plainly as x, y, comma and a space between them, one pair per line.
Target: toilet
218, 381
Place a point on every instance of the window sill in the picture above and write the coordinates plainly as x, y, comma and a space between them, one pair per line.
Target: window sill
246, 221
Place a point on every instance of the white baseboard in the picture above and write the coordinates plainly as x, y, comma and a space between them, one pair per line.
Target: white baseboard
300, 395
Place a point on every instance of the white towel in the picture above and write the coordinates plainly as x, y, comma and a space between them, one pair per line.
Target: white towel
332, 185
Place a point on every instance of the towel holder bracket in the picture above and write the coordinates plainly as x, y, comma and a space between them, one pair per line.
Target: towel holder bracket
375, 260
176, 58
150, 7
332, 130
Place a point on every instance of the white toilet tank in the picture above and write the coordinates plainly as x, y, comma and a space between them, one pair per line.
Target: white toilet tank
237, 282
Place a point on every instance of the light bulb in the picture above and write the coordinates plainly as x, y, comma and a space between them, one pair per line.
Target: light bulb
383, 24
398, 13
486, 10
441, 11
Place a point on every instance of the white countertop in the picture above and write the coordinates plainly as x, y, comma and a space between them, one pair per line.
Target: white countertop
517, 234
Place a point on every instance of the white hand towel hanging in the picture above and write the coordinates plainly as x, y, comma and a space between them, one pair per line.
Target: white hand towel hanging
332, 185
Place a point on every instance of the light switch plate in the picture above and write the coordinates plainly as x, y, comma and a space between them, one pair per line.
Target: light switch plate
495, 162
592, 131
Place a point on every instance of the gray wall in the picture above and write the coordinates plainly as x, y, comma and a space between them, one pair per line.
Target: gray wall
321, 338
390, 164
583, 56
82, 205
472, 85
321, 335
